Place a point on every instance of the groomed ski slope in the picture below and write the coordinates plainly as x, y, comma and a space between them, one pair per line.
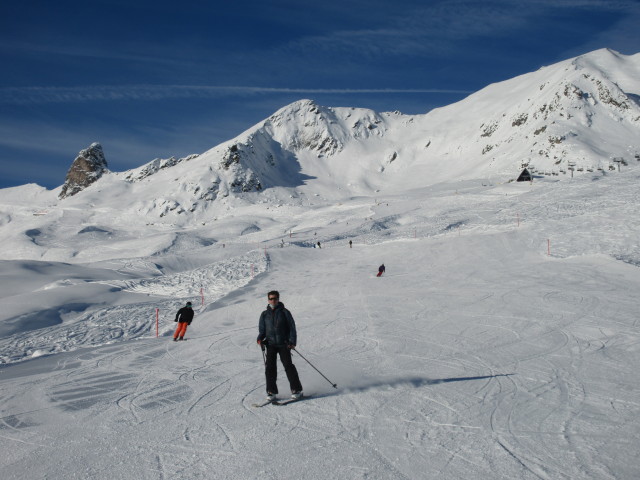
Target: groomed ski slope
477, 355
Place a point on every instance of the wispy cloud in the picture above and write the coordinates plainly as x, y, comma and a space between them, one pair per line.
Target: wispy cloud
431, 30
440, 29
39, 95
79, 51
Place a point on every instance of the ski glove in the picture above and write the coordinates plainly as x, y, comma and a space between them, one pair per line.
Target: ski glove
291, 346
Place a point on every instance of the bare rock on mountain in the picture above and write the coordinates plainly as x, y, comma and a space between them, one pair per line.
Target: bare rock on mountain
88, 167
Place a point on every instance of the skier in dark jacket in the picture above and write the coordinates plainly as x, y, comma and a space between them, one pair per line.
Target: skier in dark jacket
381, 270
184, 317
277, 332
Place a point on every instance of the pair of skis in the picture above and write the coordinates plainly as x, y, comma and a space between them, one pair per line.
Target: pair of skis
279, 403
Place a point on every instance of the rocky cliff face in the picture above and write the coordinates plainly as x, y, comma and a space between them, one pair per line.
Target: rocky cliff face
88, 167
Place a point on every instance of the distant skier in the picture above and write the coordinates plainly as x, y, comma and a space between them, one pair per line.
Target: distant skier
277, 332
381, 270
184, 317
319, 246
350, 243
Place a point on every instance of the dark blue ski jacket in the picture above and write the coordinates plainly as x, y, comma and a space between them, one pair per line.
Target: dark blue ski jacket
277, 326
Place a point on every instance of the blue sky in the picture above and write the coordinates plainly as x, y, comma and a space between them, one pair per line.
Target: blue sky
155, 79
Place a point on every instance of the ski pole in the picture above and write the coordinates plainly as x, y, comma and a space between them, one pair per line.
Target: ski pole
332, 384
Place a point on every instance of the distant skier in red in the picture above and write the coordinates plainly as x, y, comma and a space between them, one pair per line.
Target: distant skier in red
381, 270
184, 317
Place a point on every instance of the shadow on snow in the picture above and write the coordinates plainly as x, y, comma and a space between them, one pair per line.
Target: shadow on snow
415, 382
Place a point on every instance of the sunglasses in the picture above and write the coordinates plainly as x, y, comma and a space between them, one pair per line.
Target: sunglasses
273, 298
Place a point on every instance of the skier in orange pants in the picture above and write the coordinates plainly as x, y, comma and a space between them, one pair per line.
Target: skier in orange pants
184, 317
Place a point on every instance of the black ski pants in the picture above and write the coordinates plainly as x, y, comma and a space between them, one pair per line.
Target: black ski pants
271, 371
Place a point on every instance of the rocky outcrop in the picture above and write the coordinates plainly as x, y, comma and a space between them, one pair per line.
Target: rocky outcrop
155, 166
88, 167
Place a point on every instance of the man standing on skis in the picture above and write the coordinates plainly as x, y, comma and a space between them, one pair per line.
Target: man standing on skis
277, 332
184, 318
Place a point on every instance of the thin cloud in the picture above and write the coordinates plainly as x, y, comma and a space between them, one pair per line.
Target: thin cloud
439, 30
27, 48
40, 95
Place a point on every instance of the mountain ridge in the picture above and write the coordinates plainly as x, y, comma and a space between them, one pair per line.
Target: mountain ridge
573, 116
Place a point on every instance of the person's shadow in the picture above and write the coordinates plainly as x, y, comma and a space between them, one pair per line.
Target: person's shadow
416, 382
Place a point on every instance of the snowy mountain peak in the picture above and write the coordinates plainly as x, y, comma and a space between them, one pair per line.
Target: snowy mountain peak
572, 117
605, 60
578, 113
304, 125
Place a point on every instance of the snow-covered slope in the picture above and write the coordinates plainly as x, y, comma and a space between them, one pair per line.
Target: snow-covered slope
501, 343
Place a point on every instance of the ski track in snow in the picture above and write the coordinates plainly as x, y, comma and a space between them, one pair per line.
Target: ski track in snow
476, 355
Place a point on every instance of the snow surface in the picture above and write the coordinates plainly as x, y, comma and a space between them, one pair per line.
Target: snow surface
477, 354
502, 341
